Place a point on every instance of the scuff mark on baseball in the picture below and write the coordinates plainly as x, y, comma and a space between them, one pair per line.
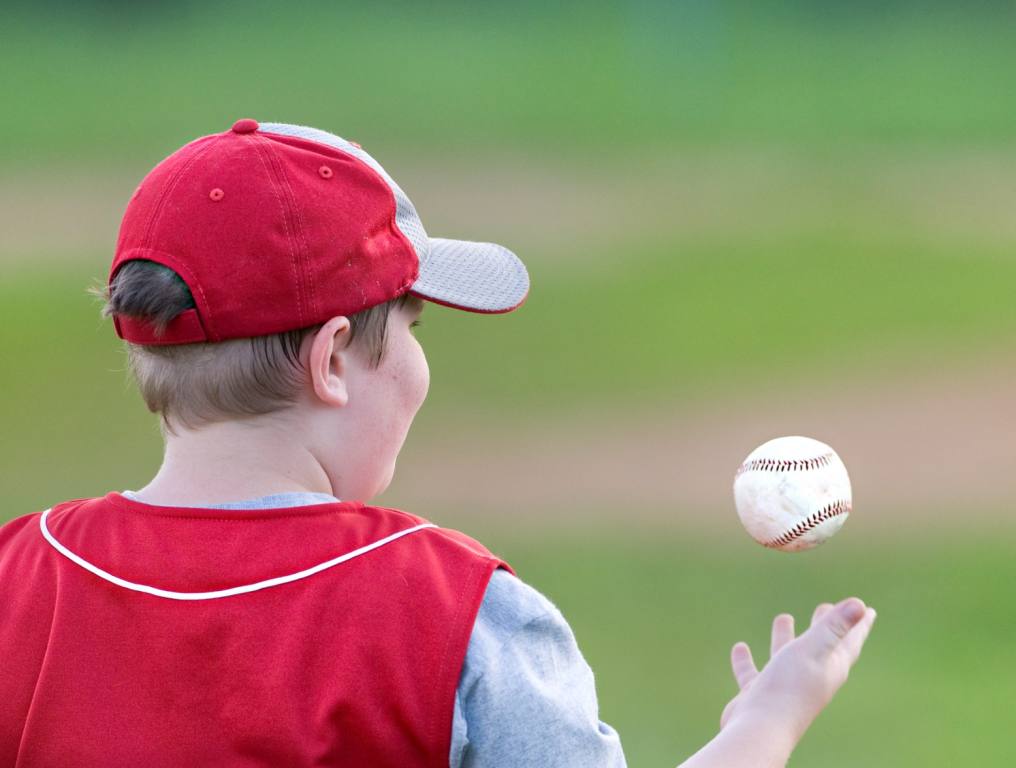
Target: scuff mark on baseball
792, 493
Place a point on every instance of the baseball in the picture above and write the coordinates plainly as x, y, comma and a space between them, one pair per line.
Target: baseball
792, 493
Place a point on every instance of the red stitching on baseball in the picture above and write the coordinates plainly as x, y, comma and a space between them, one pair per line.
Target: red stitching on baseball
784, 465
841, 507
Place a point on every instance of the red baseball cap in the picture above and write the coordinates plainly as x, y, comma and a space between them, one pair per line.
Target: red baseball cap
275, 227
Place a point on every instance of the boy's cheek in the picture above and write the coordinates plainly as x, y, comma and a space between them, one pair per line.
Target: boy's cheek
423, 385
426, 383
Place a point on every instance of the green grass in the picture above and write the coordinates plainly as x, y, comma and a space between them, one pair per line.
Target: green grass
109, 82
655, 615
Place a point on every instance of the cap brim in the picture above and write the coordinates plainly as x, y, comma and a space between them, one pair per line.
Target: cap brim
477, 277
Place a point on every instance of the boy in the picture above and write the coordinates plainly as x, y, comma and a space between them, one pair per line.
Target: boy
247, 607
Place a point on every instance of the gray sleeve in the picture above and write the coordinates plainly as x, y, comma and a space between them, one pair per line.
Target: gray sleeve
526, 696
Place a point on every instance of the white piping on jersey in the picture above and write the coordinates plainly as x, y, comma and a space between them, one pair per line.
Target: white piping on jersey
218, 592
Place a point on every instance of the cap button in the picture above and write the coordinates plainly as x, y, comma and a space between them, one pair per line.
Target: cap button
245, 126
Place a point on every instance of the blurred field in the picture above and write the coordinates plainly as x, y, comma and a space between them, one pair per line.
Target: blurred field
113, 80
716, 201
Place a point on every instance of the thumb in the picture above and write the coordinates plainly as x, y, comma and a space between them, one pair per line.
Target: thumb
835, 625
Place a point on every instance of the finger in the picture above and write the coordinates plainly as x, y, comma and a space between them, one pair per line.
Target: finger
854, 641
830, 630
783, 632
820, 610
743, 665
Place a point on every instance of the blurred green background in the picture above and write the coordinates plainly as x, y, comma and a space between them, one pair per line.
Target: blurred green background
715, 200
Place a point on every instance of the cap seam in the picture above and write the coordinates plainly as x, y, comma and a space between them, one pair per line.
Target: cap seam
269, 168
305, 252
170, 186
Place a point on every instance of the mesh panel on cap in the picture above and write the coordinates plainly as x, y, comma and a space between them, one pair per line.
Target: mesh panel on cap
406, 217
481, 276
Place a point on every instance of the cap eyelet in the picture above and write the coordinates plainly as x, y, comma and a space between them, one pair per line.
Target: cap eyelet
216, 194
325, 172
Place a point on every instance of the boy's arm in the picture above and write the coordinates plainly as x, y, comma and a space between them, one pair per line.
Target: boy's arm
527, 697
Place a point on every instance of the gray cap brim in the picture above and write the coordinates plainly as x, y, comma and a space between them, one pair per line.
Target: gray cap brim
477, 277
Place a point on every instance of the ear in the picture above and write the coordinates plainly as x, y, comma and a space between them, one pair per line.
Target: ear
328, 363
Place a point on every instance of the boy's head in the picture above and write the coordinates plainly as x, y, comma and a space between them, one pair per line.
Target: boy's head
273, 272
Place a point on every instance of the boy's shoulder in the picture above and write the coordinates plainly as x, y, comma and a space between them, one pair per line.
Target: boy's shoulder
451, 535
23, 550
26, 529
19, 528
511, 604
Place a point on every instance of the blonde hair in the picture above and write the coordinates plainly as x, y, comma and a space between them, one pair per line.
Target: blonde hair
201, 383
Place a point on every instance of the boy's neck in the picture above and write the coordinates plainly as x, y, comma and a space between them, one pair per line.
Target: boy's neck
225, 462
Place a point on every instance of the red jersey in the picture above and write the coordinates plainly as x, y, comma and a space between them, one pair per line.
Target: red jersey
324, 635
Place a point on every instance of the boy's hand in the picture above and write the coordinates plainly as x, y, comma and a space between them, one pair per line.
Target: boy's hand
803, 673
